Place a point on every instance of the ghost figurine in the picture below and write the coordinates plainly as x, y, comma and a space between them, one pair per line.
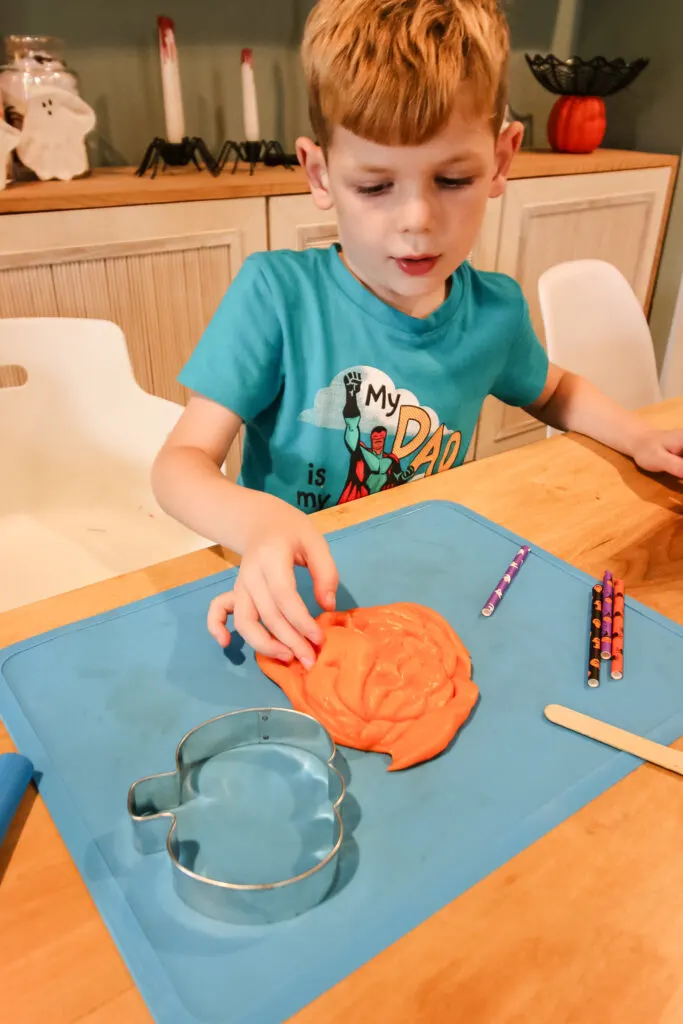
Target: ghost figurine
9, 137
52, 142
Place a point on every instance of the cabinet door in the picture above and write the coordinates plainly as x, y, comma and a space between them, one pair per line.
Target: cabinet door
295, 222
159, 271
616, 216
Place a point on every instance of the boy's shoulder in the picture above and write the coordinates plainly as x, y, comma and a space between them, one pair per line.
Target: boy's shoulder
492, 288
287, 266
492, 301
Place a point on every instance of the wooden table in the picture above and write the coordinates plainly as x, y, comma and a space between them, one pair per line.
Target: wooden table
585, 926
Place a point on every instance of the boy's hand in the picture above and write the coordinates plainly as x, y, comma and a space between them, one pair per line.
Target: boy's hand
659, 451
570, 402
268, 611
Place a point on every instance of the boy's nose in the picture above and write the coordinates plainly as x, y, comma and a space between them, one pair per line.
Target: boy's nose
416, 216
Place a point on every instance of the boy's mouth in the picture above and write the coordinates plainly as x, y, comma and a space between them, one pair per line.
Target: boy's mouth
415, 266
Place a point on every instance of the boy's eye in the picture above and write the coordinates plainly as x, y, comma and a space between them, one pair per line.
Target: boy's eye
454, 182
373, 190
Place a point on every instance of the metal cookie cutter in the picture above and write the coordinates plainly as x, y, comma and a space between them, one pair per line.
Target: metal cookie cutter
250, 817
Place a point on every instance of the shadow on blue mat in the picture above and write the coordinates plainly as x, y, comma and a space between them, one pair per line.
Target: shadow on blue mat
237, 651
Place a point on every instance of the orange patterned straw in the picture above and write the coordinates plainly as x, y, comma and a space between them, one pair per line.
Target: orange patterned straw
607, 612
594, 641
618, 631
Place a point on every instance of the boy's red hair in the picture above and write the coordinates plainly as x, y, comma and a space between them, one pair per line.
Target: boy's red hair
392, 71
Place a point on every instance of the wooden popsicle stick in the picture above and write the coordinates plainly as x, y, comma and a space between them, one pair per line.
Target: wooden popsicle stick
596, 729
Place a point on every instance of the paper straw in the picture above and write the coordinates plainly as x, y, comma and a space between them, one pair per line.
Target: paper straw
606, 628
594, 644
505, 581
618, 631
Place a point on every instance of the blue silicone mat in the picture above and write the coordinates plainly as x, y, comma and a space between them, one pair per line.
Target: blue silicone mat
100, 703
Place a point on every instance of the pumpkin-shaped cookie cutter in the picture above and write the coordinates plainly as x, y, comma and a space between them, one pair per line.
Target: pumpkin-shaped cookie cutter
155, 802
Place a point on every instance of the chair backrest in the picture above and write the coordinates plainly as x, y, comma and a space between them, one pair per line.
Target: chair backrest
595, 326
671, 378
80, 393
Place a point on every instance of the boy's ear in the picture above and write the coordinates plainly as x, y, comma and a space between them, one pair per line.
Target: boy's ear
507, 144
312, 160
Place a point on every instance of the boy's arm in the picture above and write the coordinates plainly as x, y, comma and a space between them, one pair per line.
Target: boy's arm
187, 478
271, 535
570, 402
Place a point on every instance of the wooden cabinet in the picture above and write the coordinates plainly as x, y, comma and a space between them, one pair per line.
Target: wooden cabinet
616, 216
295, 222
158, 271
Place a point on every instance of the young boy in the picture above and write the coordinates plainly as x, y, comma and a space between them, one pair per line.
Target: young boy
360, 367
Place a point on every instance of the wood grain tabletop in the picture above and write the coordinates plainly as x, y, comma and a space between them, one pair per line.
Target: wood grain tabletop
584, 927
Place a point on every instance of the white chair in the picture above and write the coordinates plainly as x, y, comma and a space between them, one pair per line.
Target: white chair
595, 326
671, 378
78, 441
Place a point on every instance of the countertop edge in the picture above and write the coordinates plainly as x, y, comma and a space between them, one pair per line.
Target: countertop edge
114, 187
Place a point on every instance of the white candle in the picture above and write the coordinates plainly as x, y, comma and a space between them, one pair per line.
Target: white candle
252, 132
170, 82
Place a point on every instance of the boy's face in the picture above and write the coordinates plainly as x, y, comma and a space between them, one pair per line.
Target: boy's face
409, 215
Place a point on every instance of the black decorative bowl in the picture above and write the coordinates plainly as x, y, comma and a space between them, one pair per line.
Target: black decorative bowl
578, 77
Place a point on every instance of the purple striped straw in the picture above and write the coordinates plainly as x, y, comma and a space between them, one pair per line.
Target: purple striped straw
606, 630
503, 584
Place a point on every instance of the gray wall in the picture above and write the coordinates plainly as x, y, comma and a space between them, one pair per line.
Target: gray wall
646, 116
113, 47
532, 30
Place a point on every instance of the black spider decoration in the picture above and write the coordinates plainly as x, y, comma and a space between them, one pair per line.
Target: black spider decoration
177, 154
270, 153
275, 156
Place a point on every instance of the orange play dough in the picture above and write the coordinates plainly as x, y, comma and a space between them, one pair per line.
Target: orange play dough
394, 679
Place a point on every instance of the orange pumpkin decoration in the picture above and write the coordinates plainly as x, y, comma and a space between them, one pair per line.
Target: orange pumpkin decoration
577, 124
394, 678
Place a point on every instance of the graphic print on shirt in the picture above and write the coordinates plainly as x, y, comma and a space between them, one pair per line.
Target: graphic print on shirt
371, 469
388, 436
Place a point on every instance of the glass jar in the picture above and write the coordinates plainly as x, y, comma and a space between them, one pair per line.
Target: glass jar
31, 62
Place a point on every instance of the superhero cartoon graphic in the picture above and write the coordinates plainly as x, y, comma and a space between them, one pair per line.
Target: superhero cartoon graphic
391, 436
371, 469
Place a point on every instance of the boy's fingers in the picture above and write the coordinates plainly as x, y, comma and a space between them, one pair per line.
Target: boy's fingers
281, 582
219, 609
323, 571
277, 624
672, 464
254, 633
673, 440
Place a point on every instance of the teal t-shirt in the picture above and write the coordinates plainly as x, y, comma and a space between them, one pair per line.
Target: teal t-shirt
343, 395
